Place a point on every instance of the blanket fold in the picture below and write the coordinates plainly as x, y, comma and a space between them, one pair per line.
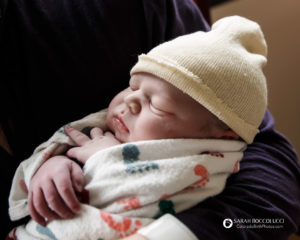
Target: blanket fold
129, 185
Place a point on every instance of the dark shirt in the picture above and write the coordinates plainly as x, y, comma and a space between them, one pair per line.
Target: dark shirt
63, 59
265, 191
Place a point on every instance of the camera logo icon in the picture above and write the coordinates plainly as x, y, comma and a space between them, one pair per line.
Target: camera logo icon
227, 223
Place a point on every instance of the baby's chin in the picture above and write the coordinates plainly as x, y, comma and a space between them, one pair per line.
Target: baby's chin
120, 138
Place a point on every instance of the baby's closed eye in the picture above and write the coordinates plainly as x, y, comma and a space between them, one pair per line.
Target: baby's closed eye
159, 107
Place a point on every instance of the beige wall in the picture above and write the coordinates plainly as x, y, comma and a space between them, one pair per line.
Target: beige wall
280, 21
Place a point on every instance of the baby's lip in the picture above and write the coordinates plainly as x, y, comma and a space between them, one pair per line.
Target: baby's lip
118, 122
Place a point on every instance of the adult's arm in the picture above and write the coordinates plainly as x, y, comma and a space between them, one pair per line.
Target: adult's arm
267, 187
89, 46
49, 47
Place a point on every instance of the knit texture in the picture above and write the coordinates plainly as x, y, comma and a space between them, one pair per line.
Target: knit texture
221, 69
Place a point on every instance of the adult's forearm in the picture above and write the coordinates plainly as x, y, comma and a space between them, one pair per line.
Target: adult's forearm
267, 187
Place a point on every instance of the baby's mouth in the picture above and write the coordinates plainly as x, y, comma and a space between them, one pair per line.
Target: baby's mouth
118, 122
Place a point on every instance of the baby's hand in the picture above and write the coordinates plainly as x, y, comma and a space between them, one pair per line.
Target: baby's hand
51, 190
88, 146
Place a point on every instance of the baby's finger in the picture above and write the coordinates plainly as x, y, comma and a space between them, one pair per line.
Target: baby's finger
66, 192
109, 134
73, 152
77, 177
41, 206
33, 213
112, 137
96, 132
78, 137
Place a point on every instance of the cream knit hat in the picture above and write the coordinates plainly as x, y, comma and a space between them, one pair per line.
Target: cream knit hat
221, 69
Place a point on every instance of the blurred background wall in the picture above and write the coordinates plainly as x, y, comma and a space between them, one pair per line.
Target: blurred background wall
280, 21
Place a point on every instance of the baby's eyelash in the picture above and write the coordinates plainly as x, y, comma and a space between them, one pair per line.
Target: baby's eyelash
155, 109
159, 111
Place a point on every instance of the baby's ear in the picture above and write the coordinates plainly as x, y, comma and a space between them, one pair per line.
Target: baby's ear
227, 134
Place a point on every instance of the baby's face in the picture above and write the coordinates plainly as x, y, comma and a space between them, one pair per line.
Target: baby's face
151, 108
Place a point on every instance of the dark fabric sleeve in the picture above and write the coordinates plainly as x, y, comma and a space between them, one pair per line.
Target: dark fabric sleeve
267, 187
63, 59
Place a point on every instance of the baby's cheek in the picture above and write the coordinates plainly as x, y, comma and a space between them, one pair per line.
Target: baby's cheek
145, 131
163, 130
172, 132
153, 128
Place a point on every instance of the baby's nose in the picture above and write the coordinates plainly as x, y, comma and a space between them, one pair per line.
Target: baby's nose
133, 103
134, 107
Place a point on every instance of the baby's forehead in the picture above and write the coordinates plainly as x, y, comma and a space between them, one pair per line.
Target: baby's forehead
138, 78
161, 87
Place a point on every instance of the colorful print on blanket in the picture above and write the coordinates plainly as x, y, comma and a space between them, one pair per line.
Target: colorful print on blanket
130, 185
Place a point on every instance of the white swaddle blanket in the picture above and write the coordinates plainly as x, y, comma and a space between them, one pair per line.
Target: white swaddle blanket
129, 185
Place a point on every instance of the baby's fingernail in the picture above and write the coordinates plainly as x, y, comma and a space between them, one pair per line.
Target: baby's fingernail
68, 127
